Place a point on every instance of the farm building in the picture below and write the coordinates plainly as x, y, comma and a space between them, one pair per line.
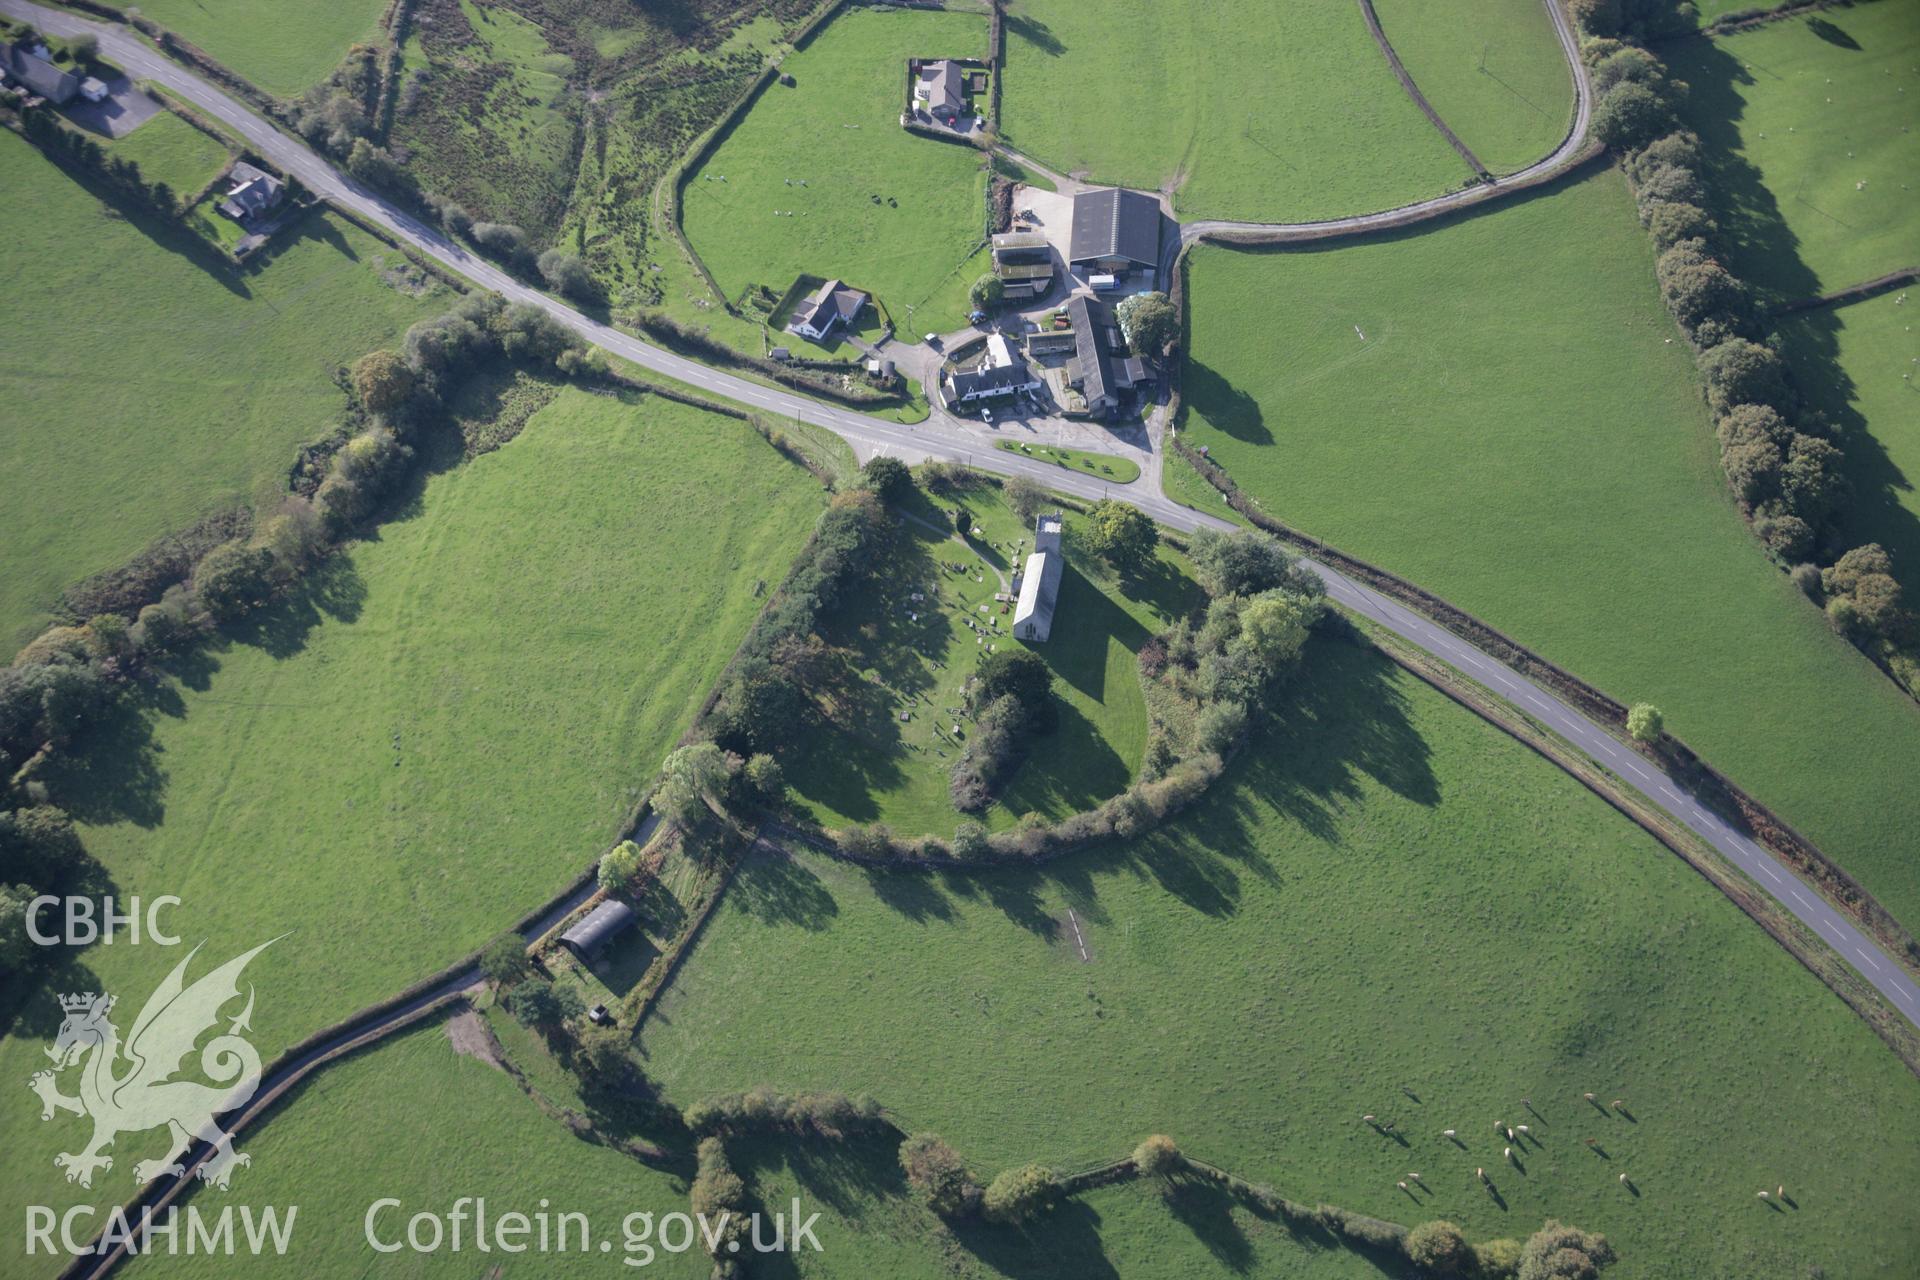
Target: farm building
596, 929
940, 90
1115, 230
32, 71
253, 193
831, 306
1098, 370
1040, 582
1024, 262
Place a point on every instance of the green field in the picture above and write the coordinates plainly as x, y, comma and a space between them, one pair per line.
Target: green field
1494, 72
415, 1121
1860, 364
445, 730
156, 387
170, 150
1244, 111
1104, 465
1532, 446
889, 212
1812, 122
281, 47
865, 765
1388, 907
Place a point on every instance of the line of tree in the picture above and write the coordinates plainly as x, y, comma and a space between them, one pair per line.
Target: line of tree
71, 676
45, 128
828, 1115
1780, 456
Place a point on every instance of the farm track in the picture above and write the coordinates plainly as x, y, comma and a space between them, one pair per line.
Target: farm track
1413, 90
1574, 150
960, 441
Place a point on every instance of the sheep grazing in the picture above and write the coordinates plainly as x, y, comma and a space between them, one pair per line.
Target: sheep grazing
1523, 1129
1762, 1196
1499, 1126
1510, 1136
1623, 1179
1446, 1133
1588, 1097
1366, 1119
1413, 1177
1617, 1103
1403, 1186
1507, 1152
1480, 1174
1780, 1191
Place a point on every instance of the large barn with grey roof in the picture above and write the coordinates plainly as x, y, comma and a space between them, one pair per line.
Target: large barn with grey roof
1115, 230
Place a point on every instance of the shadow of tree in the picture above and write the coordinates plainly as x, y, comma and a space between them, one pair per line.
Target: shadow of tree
774, 889
1236, 412
1832, 34
1036, 33
1762, 248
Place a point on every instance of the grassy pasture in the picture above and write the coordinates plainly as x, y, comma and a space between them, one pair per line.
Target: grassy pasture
170, 150
281, 47
1244, 110
1811, 120
443, 731
153, 387
1387, 907
1574, 502
1860, 364
415, 1120
897, 215
1103, 465
1494, 72
866, 765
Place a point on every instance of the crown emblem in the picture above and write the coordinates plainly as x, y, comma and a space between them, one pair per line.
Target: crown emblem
77, 1003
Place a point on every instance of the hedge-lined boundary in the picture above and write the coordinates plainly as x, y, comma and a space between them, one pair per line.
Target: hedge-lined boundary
1852, 293
1764, 910
1708, 784
673, 183
432, 266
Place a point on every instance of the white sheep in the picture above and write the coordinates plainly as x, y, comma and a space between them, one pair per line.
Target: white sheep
1368, 1119
1510, 1136
1524, 1129
1480, 1174
1507, 1152
1623, 1179
1446, 1133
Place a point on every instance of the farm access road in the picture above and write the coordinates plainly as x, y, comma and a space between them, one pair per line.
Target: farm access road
957, 441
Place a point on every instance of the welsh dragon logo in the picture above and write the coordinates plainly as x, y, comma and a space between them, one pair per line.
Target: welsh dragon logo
128, 1088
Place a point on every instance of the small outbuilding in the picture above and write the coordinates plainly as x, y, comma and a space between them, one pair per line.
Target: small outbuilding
600, 926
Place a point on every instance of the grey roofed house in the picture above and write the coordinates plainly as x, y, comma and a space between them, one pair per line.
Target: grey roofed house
1115, 228
597, 928
942, 88
833, 303
991, 380
38, 76
1040, 582
254, 191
